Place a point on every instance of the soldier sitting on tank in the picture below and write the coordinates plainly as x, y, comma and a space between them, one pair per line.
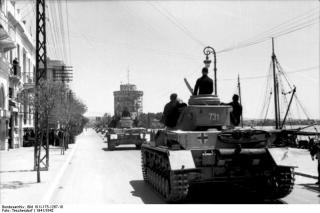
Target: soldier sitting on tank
204, 84
236, 110
171, 112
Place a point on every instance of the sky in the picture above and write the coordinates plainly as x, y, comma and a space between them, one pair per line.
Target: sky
161, 43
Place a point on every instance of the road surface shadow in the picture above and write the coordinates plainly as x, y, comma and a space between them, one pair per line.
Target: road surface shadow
225, 194
120, 149
204, 194
15, 185
145, 192
311, 187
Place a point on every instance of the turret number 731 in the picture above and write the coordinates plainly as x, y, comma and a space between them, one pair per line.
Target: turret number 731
214, 116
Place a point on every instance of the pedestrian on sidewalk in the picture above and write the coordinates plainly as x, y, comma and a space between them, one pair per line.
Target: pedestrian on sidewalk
315, 152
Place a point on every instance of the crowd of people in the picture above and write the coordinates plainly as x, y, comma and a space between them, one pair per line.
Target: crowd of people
57, 137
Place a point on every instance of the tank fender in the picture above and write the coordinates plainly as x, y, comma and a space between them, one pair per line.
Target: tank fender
283, 157
181, 159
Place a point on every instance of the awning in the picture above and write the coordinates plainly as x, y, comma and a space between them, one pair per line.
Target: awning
7, 44
12, 103
3, 33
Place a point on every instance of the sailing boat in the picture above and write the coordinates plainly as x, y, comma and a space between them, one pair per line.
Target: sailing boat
291, 134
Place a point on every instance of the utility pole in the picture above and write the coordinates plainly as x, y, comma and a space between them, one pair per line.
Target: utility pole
239, 92
41, 70
276, 89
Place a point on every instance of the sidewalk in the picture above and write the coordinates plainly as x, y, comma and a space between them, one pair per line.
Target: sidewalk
18, 181
306, 167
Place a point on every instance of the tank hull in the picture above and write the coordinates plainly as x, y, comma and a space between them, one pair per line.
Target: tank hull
171, 170
117, 137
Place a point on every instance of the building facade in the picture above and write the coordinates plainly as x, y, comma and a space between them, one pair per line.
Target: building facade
58, 71
128, 98
6, 44
20, 58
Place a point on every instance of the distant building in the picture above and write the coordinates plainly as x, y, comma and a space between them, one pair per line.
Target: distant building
128, 99
58, 71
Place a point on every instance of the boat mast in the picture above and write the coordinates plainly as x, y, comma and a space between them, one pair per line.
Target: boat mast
276, 90
239, 92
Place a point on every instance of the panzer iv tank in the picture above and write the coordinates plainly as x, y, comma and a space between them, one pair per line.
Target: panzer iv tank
125, 134
201, 149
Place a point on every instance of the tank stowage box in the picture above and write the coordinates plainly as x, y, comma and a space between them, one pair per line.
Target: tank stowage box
204, 148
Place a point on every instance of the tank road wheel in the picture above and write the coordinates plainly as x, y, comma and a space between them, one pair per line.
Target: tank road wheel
156, 171
166, 189
111, 146
157, 183
162, 185
280, 183
143, 165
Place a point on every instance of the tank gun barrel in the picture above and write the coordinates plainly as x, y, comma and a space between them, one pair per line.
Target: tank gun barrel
188, 85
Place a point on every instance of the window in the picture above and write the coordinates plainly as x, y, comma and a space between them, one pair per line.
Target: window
2, 98
25, 114
11, 59
10, 92
18, 52
15, 119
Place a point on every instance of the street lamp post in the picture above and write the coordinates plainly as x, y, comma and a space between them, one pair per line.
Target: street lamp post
207, 51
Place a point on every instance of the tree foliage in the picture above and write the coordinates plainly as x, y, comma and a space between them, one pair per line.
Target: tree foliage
58, 106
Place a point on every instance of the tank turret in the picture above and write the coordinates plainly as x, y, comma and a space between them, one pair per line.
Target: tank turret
204, 112
125, 122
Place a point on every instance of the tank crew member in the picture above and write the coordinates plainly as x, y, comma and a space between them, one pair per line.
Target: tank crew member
203, 84
236, 110
171, 112
315, 152
181, 105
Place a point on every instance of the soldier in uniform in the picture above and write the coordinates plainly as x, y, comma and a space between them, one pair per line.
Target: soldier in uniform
204, 84
171, 112
315, 153
236, 110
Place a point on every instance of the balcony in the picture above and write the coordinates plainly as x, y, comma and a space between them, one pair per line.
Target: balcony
15, 73
28, 84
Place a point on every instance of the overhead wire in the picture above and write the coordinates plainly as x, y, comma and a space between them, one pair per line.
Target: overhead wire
54, 29
68, 30
284, 28
182, 26
178, 25
283, 24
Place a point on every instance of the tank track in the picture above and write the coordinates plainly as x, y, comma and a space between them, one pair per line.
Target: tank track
171, 185
111, 145
281, 183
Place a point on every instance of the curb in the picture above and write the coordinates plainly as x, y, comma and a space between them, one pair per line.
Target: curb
56, 181
306, 175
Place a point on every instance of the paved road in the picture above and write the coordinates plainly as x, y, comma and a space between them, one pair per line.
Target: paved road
98, 176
